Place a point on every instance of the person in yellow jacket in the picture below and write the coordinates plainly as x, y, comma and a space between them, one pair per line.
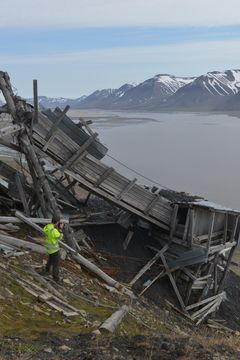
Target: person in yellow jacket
53, 234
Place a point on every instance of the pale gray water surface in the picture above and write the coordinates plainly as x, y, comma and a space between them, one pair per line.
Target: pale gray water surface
196, 153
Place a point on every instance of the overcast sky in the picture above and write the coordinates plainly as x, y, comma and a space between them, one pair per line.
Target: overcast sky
77, 46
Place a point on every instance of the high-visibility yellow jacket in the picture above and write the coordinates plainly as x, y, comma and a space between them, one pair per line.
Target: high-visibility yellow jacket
52, 238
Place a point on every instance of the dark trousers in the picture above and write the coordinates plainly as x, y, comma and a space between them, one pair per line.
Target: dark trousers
53, 263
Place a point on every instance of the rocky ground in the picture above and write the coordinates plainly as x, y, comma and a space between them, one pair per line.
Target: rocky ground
30, 329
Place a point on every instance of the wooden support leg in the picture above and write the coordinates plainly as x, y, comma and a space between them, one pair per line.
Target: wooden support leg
128, 239
173, 282
148, 265
22, 193
28, 148
37, 187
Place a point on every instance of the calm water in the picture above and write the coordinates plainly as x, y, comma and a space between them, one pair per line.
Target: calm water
196, 153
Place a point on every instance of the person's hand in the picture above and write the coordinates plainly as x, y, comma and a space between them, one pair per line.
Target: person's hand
60, 226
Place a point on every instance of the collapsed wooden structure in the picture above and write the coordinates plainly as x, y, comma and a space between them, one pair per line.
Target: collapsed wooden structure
195, 238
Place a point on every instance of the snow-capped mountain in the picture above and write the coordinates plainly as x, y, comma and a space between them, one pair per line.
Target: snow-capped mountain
207, 91
106, 97
216, 90
152, 91
52, 103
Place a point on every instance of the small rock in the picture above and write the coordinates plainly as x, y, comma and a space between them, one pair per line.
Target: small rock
64, 348
96, 332
37, 309
96, 324
48, 350
237, 333
68, 282
83, 313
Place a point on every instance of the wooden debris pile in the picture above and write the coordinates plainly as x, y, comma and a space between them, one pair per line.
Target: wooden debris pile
57, 167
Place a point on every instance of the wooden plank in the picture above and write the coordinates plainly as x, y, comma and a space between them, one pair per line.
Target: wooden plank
210, 231
126, 189
28, 148
173, 282
8, 94
191, 228
67, 188
225, 228
173, 222
115, 319
148, 265
13, 219
35, 101
22, 194
104, 175
186, 226
10, 130
233, 233
52, 133
128, 239
79, 152
152, 282
119, 203
152, 204
205, 301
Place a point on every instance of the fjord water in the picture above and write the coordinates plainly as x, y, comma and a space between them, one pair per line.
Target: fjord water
196, 153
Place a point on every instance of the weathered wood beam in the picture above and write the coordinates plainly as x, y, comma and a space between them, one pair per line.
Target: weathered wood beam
126, 189
35, 101
22, 244
89, 186
115, 319
78, 153
8, 94
104, 176
52, 132
41, 175
22, 193
10, 130
210, 231
186, 227
13, 219
152, 204
148, 265
128, 239
168, 271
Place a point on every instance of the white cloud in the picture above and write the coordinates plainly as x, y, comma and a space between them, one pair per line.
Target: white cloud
92, 13
197, 52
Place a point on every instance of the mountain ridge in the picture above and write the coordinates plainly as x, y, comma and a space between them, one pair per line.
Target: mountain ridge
213, 91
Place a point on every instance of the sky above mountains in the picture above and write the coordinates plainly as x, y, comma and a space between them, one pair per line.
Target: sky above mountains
75, 47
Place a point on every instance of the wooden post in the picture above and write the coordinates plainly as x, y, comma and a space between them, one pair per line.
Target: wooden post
173, 282
8, 94
173, 222
126, 189
148, 265
35, 101
191, 227
225, 234
222, 282
210, 231
22, 193
37, 187
78, 153
40, 173
115, 319
186, 226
